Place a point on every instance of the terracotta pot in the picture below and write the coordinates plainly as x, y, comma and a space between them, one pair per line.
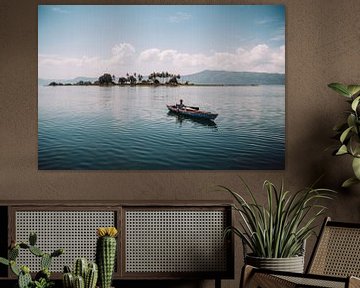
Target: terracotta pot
291, 264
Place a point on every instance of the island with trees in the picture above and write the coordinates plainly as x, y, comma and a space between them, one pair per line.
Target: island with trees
154, 79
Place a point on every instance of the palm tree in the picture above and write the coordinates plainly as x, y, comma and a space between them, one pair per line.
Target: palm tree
140, 77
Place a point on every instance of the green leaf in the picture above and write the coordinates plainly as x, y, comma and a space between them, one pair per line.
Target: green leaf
45, 261
349, 182
356, 167
279, 228
345, 134
353, 89
351, 120
342, 150
340, 88
32, 238
14, 268
13, 253
354, 145
4, 261
355, 103
36, 251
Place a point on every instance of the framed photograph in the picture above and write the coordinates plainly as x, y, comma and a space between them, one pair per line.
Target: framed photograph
161, 87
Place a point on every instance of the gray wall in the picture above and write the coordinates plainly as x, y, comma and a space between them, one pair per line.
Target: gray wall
322, 46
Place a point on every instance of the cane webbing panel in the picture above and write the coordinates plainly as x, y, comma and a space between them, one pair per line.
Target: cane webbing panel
338, 252
266, 281
313, 282
75, 231
175, 241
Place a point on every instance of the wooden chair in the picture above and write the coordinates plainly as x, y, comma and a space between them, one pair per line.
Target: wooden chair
334, 263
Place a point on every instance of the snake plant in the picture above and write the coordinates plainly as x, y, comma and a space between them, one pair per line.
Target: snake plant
279, 228
348, 132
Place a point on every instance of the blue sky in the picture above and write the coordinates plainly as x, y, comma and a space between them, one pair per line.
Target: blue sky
89, 40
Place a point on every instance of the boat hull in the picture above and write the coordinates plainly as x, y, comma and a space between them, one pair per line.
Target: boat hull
192, 113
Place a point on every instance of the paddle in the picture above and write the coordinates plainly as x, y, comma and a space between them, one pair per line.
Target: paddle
193, 107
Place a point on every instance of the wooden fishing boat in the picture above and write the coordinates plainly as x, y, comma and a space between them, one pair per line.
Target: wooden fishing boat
192, 112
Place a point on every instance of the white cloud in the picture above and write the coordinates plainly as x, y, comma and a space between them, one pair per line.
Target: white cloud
122, 53
179, 17
54, 66
260, 58
124, 58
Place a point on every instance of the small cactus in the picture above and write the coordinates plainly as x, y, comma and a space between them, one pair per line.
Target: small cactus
106, 254
32, 239
91, 276
80, 268
36, 251
67, 269
89, 272
68, 280
79, 282
45, 261
24, 278
13, 253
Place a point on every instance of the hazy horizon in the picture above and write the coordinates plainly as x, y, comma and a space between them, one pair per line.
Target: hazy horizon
145, 76
90, 40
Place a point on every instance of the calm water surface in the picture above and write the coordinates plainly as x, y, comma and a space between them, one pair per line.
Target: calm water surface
130, 128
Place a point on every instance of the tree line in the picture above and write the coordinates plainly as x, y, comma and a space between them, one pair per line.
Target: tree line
135, 78
155, 78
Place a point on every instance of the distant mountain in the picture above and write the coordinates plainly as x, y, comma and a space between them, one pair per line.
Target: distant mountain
234, 78
43, 82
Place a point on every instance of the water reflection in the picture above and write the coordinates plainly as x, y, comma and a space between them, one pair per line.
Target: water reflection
187, 119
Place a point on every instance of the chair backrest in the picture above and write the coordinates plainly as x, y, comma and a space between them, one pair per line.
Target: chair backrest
337, 251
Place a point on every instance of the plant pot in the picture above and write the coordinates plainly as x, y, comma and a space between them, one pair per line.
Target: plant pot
291, 264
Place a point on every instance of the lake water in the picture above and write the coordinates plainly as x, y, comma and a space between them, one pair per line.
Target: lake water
129, 128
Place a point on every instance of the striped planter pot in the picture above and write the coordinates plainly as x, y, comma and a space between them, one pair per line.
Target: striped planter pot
291, 264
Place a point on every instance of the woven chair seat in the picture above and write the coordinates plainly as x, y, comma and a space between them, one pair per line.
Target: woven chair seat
335, 262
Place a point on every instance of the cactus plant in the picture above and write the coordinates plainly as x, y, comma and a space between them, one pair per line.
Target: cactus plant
106, 254
45, 261
42, 278
84, 274
91, 276
80, 268
32, 239
68, 280
24, 277
79, 282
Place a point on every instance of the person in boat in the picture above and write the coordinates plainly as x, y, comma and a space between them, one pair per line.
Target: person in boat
181, 105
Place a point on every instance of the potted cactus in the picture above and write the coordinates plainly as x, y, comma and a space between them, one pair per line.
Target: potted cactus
42, 278
106, 254
84, 275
